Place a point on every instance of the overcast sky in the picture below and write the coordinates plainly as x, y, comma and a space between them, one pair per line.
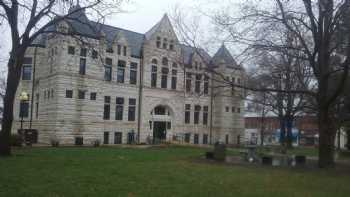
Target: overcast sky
140, 16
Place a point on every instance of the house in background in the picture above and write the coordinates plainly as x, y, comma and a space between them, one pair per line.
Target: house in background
305, 130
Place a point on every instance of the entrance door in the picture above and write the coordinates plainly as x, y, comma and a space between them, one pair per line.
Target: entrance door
159, 132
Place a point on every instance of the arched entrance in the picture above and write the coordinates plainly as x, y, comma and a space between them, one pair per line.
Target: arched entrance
161, 120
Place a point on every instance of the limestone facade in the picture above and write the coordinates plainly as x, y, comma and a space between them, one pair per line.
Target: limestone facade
123, 86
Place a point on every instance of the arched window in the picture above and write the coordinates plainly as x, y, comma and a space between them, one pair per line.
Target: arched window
154, 61
160, 110
165, 61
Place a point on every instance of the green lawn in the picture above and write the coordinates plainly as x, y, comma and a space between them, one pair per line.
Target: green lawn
154, 172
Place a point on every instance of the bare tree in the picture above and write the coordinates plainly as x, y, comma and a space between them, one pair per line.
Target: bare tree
315, 25
27, 21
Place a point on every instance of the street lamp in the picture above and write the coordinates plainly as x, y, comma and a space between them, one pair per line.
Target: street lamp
24, 97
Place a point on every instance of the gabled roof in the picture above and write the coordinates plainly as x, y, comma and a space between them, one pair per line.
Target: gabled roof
223, 56
165, 21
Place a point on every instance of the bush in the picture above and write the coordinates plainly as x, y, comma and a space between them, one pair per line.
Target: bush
219, 151
16, 140
54, 142
96, 143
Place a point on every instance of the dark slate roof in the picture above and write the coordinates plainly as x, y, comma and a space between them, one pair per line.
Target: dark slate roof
134, 39
81, 25
188, 52
225, 57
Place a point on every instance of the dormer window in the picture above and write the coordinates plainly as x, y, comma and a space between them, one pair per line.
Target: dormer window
158, 42
165, 43
171, 46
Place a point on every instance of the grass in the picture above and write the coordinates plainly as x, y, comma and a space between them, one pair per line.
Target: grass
154, 172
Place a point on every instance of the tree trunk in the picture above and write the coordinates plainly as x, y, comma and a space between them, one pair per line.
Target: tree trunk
289, 123
13, 78
347, 137
282, 130
327, 133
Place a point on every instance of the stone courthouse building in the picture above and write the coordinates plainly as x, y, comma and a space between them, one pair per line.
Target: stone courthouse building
117, 86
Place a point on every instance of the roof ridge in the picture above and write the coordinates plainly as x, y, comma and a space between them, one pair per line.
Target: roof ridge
119, 28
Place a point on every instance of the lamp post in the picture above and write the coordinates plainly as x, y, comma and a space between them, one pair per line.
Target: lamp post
23, 98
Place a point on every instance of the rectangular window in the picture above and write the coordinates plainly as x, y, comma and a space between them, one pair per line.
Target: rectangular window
27, 68
174, 79
109, 50
108, 61
233, 109
205, 115
69, 93
164, 81
119, 49
132, 109
168, 125
206, 85
94, 54
108, 73
119, 108
227, 139
195, 139
158, 42
227, 109
133, 73
121, 71
108, 69
93, 96
188, 82
26, 72
205, 138
107, 99
187, 114
124, 51
79, 141
154, 77
197, 87
71, 50
82, 66
83, 52
106, 138
24, 109
187, 137
118, 137
81, 94
107, 108
197, 110
238, 110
